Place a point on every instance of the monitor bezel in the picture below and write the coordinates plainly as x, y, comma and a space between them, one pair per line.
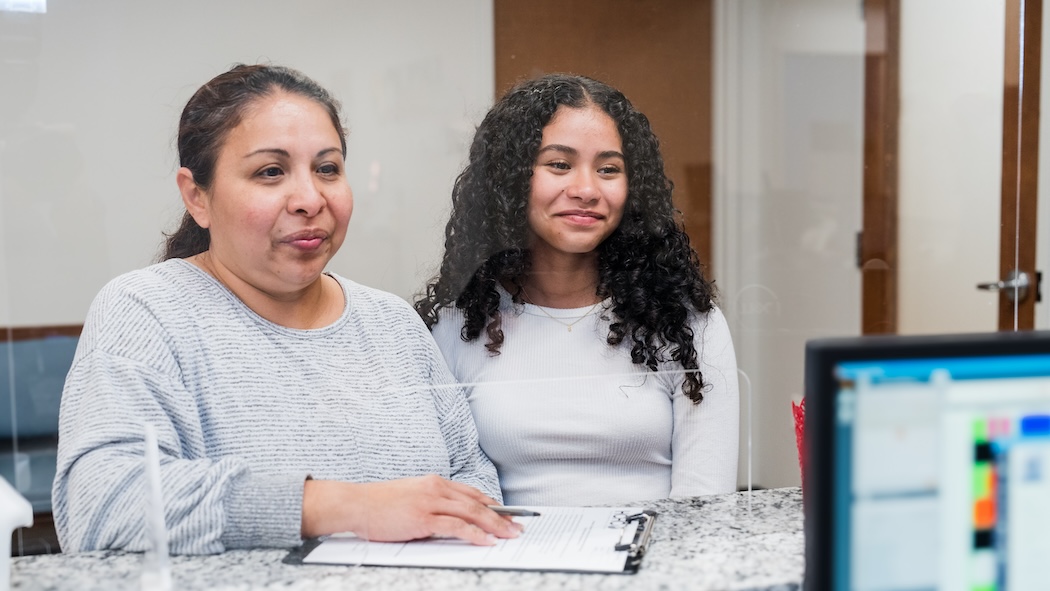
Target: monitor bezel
820, 387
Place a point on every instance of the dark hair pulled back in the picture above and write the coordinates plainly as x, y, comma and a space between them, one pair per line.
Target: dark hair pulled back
209, 116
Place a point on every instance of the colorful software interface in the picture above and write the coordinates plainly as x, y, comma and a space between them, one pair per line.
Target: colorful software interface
943, 474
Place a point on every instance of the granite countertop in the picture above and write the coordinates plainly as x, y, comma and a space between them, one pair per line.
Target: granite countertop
732, 541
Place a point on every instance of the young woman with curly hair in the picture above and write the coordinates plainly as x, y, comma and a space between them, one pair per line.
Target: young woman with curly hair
571, 304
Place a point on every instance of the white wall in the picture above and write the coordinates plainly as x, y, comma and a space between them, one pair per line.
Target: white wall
788, 158
91, 96
951, 126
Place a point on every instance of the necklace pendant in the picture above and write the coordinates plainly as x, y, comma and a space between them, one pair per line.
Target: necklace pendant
570, 328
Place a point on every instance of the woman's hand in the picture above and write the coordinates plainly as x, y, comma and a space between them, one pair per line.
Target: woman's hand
402, 510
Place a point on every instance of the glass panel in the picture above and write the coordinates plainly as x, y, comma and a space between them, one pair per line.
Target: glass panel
789, 174
790, 156
597, 438
90, 109
88, 115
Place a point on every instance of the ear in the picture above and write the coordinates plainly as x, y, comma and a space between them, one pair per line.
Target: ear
193, 197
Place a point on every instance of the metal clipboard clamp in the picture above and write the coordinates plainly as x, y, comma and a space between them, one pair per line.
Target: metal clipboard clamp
637, 547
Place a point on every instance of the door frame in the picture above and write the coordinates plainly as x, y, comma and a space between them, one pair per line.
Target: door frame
878, 252
1020, 181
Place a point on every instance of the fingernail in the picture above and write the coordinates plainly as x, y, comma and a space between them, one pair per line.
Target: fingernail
490, 539
517, 526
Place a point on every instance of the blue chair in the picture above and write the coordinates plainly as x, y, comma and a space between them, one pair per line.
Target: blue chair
33, 368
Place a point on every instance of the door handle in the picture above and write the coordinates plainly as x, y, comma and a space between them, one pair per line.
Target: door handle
1015, 285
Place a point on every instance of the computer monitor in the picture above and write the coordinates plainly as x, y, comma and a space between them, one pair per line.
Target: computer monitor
928, 462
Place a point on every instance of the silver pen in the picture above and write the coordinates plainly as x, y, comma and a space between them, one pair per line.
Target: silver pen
513, 511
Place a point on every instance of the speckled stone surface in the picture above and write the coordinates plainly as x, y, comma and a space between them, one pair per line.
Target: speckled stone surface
724, 542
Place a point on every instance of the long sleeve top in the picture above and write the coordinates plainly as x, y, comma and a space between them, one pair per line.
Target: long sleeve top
568, 419
245, 410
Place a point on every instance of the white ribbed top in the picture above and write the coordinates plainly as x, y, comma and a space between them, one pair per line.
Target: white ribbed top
569, 420
244, 410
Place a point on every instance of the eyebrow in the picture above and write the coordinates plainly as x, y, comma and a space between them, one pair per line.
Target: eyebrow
573, 152
282, 152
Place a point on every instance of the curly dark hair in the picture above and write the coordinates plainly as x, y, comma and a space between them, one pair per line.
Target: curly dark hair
646, 266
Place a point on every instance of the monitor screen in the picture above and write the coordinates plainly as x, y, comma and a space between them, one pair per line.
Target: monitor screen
928, 462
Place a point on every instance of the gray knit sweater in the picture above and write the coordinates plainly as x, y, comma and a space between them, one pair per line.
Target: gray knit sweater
244, 411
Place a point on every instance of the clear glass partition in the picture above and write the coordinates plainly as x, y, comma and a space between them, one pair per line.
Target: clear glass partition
92, 94
88, 117
800, 87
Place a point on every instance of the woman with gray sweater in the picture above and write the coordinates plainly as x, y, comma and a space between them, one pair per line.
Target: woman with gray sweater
289, 403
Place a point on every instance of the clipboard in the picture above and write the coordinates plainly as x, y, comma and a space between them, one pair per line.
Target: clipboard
600, 540
639, 545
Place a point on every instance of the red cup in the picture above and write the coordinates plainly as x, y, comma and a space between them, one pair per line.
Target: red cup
798, 411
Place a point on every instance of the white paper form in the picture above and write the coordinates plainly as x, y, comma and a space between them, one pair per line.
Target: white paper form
560, 539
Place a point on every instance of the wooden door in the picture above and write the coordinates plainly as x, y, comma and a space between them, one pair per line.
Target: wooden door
1017, 240
878, 249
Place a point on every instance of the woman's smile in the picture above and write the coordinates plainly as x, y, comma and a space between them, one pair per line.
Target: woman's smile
579, 185
581, 217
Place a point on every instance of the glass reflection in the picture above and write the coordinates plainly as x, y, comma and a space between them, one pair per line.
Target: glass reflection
86, 185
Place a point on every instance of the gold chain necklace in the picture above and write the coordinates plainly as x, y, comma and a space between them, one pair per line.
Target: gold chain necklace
567, 325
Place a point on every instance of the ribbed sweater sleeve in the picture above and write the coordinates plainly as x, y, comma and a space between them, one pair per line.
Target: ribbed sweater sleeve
125, 374
705, 437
